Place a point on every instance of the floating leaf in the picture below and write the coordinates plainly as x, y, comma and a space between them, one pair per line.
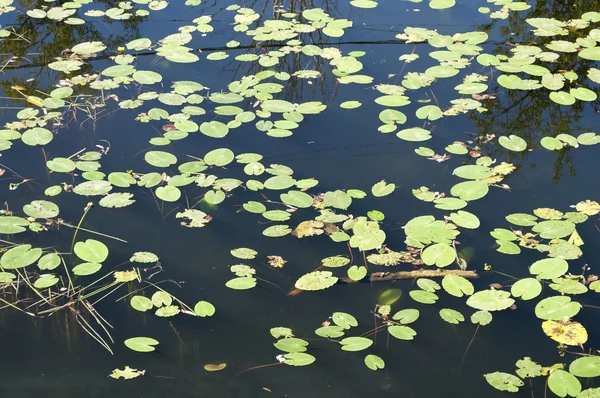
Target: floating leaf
526, 289
141, 344
91, 250
20, 256
317, 280
490, 300
451, 316
374, 362
588, 366
504, 381
127, 373
382, 189
144, 257
440, 254
344, 320
298, 359
513, 143
557, 308
355, 343
423, 297
457, 285
482, 318
563, 383
204, 308
214, 368
141, 303
549, 268
242, 283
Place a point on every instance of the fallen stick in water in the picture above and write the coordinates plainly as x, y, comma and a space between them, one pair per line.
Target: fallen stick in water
391, 276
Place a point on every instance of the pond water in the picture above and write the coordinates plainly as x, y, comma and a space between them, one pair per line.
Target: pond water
488, 108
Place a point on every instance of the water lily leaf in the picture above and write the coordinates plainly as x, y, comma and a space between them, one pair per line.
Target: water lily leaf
506, 247
219, 157
291, 344
276, 231
490, 300
414, 134
317, 280
472, 172
20, 256
280, 182
85, 269
254, 207
160, 158
513, 143
297, 199
117, 200
549, 268
356, 343
141, 344
470, 190
141, 303
244, 253
241, 283
557, 308
562, 98
214, 368
338, 199
144, 257
402, 332
298, 359
585, 366
330, 332
204, 309
214, 197
344, 320
588, 207
423, 297
504, 381
440, 254
357, 273
41, 209
49, 261
335, 261
382, 189
482, 318
526, 289
45, 281
522, 219
168, 193
457, 285
465, 219
279, 332
451, 316
429, 285
350, 104
91, 250
127, 373
374, 362
37, 136
563, 383
568, 286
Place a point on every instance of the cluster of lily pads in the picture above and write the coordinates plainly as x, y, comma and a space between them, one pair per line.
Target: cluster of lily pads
299, 208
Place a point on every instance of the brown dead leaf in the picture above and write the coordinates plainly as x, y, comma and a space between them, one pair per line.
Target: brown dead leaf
308, 228
276, 261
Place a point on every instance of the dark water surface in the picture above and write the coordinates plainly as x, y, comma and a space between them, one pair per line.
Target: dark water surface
53, 357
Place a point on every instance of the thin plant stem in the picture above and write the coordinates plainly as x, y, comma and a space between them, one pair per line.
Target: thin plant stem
87, 209
254, 368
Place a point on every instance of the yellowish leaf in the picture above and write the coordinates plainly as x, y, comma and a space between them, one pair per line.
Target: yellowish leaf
214, 368
565, 332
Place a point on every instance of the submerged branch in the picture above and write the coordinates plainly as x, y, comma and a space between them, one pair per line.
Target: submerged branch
391, 276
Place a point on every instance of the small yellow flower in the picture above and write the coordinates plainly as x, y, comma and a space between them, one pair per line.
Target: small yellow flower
121, 49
